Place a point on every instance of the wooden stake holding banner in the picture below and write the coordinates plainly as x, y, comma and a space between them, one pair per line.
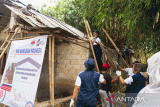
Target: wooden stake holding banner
115, 46
51, 69
91, 45
50, 66
52, 73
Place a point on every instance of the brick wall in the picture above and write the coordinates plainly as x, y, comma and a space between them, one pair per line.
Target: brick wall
69, 62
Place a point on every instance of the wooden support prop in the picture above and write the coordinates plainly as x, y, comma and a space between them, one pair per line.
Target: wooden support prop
9, 43
5, 41
91, 45
50, 67
2, 63
21, 33
57, 31
52, 73
115, 46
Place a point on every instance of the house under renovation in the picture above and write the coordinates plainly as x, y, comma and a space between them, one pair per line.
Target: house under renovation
65, 52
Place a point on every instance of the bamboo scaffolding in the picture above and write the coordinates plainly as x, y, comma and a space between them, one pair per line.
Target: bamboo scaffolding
9, 43
5, 41
115, 46
91, 44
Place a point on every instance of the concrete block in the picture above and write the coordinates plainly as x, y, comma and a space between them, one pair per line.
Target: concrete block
75, 62
76, 67
68, 66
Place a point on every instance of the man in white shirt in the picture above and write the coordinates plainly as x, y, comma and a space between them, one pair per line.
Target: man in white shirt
86, 86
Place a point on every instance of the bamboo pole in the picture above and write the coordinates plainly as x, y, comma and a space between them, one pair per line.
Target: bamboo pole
9, 43
115, 46
50, 67
52, 73
89, 28
91, 46
5, 41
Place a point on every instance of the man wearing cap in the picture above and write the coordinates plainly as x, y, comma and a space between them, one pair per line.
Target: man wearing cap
136, 81
97, 49
86, 86
105, 88
18, 19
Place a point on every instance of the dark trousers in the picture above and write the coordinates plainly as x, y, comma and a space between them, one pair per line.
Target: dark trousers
81, 103
98, 54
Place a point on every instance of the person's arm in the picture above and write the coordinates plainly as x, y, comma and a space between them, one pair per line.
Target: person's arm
126, 81
101, 79
75, 92
122, 80
87, 37
98, 41
114, 80
104, 82
120, 68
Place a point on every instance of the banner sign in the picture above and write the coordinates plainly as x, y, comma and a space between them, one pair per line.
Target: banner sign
22, 72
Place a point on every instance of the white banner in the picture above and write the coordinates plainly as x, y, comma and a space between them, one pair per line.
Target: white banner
22, 72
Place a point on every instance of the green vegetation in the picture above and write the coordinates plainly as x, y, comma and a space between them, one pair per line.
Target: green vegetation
134, 22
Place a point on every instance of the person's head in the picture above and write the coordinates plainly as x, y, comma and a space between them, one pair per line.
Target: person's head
105, 67
89, 64
29, 6
95, 33
134, 67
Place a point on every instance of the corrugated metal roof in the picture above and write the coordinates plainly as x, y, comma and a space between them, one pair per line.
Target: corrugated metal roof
43, 20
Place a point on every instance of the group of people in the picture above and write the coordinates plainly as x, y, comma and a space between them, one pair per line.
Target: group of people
90, 83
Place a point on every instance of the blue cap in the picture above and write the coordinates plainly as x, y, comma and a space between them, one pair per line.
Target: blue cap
96, 31
89, 64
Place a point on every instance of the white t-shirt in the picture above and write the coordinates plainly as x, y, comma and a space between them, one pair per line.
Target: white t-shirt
97, 40
129, 71
78, 80
129, 80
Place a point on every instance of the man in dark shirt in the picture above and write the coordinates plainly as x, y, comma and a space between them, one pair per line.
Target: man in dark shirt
105, 88
18, 19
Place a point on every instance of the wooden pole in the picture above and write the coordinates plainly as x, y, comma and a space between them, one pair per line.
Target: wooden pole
91, 46
5, 41
21, 33
115, 46
50, 67
2, 63
52, 73
9, 43
89, 28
